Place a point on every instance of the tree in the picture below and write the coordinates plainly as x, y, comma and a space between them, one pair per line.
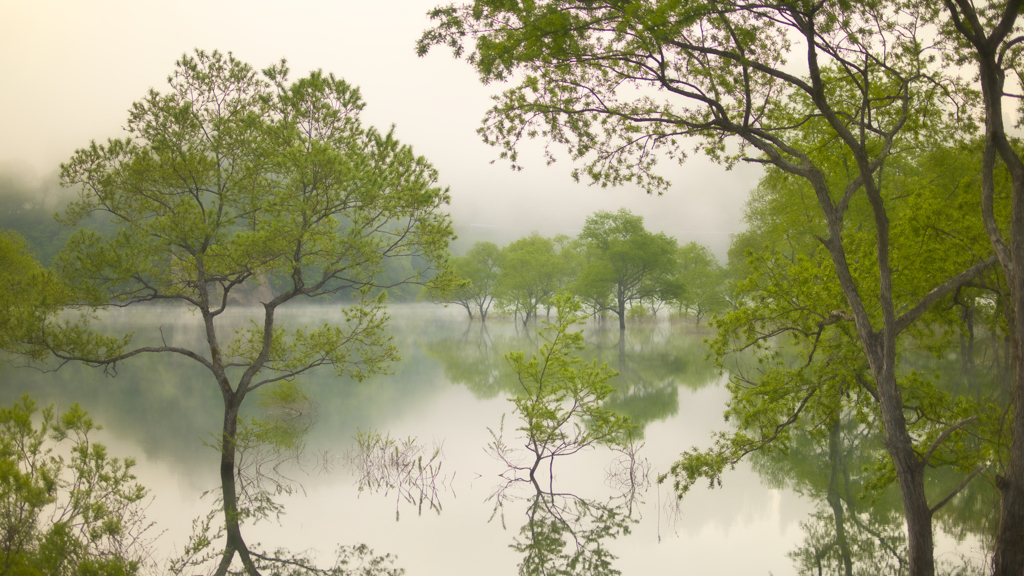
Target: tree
479, 267
625, 263
810, 372
704, 279
559, 398
989, 37
234, 178
31, 295
622, 83
83, 515
559, 407
532, 271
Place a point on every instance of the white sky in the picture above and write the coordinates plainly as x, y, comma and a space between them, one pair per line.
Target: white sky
70, 70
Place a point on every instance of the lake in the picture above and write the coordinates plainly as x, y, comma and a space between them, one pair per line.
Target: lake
451, 391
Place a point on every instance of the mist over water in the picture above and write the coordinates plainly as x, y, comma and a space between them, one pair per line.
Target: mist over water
449, 390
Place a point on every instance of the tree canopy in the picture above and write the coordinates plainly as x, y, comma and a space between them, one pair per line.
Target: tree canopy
623, 263
532, 271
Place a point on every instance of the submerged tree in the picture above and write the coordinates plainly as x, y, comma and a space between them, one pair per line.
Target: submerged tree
559, 408
704, 281
236, 178
531, 272
559, 398
625, 264
478, 270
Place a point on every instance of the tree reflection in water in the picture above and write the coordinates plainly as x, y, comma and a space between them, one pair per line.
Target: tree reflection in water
858, 526
565, 533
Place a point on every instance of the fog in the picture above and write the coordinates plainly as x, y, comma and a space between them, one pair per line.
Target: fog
71, 71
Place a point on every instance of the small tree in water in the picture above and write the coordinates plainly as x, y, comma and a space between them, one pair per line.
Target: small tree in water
560, 397
559, 405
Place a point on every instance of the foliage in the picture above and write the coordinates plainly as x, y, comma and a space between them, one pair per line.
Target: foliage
236, 179
704, 280
621, 84
559, 407
625, 264
559, 400
531, 272
791, 313
479, 270
31, 295
68, 507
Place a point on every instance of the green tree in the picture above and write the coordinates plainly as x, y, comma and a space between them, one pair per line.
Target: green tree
559, 405
75, 516
811, 372
234, 177
30, 295
621, 84
479, 267
532, 271
988, 37
559, 399
704, 280
625, 264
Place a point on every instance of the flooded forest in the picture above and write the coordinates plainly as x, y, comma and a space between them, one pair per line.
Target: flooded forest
253, 333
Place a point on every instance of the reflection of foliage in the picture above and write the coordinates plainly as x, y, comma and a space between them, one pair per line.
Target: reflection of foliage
564, 533
555, 519
849, 534
63, 517
383, 463
358, 560
476, 361
869, 541
656, 360
266, 444
653, 362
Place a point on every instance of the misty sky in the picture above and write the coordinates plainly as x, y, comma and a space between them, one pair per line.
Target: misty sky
70, 71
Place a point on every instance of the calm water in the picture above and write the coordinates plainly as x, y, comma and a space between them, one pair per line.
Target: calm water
450, 389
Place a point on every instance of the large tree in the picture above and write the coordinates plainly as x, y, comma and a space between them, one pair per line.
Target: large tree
621, 83
988, 37
234, 178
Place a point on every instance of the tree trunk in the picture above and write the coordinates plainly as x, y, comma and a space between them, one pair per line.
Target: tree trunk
622, 313
909, 467
880, 350
234, 543
1008, 556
